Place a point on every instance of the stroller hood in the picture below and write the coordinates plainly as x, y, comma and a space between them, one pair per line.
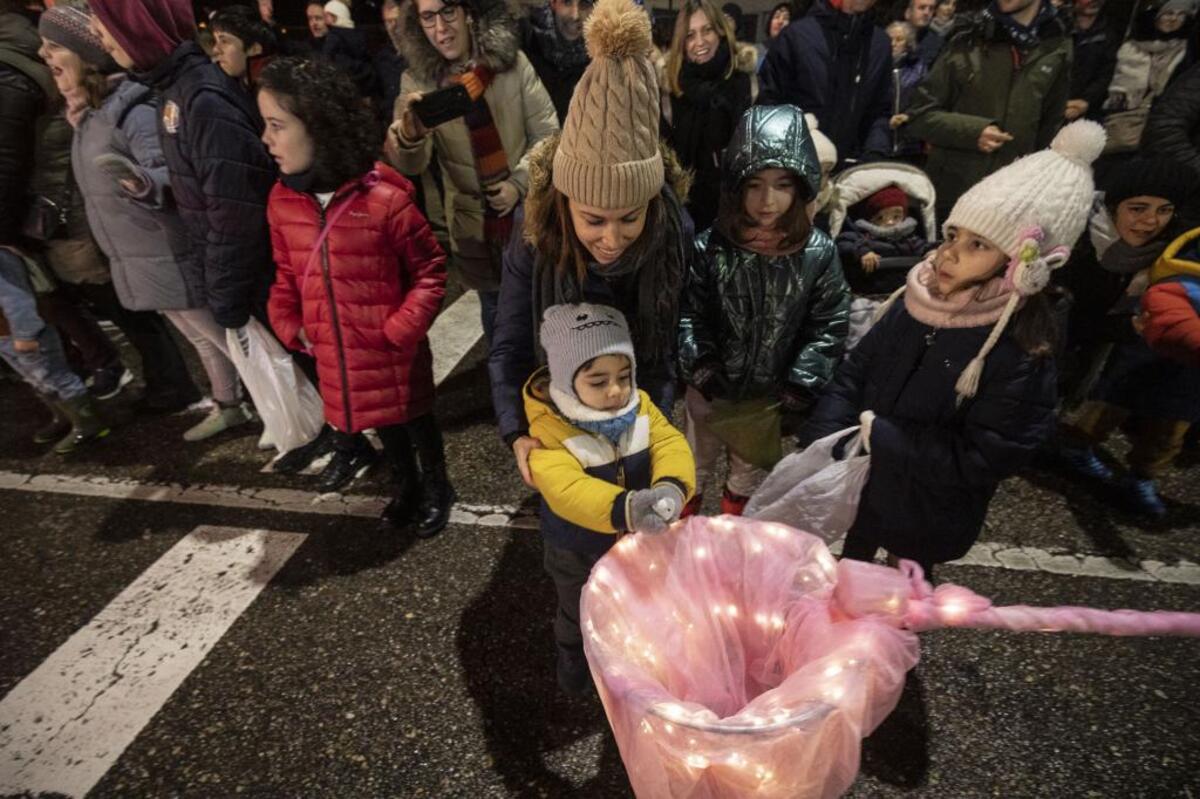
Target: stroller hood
772, 137
860, 182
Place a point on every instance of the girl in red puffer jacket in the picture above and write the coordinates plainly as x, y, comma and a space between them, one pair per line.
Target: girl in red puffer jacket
359, 280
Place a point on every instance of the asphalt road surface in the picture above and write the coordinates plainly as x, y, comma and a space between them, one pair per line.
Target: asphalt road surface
176, 622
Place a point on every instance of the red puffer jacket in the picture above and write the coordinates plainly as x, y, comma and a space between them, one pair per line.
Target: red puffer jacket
1172, 314
365, 301
1171, 307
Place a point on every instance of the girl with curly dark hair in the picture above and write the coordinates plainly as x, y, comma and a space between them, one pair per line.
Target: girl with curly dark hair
359, 280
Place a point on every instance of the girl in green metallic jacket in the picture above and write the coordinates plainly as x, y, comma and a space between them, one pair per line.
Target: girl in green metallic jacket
765, 307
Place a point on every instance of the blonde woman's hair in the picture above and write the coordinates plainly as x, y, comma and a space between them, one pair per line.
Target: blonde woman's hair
676, 55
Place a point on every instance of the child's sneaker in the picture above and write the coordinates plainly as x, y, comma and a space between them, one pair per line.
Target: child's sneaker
1084, 462
107, 381
733, 504
219, 420
1143, 497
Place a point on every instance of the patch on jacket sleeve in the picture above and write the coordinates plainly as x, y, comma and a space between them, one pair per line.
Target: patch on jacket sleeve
170, 117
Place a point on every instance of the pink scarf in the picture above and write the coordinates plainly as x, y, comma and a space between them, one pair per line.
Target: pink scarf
977, 307
767, 242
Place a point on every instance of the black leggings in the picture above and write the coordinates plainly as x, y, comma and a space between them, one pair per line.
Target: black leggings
402, 444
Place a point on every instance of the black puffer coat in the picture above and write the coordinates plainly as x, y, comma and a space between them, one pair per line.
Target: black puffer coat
1173, 129
935, 464
768, 322
221, 176
26, 89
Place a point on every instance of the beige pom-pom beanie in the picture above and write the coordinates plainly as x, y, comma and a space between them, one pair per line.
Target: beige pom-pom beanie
608, 156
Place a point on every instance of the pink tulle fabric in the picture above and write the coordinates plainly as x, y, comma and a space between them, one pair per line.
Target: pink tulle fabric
737, 658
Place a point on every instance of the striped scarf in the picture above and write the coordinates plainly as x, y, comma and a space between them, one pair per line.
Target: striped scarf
491, 162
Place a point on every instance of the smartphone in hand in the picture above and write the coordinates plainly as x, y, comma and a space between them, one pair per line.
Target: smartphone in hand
443, 105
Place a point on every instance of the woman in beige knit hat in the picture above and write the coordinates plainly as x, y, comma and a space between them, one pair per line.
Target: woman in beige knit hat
603, 222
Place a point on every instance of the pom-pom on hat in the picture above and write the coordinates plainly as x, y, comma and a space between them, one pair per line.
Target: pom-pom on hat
827, 154
341, 14
1050, 190
887, 197
1034, 210
608, 156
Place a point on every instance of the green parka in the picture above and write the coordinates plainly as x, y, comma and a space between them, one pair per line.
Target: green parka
769, 322
982, 79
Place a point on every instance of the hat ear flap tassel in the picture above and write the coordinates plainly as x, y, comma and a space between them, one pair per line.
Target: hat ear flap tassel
968, 381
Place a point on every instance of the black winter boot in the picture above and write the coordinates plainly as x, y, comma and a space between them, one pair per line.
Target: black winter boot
86, 424
406, 479
437, 495
58, 425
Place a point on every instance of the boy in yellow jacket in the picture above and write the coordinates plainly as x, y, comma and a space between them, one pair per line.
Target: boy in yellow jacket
610, 462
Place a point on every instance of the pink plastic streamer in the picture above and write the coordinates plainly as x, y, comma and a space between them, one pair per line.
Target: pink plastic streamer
924, 608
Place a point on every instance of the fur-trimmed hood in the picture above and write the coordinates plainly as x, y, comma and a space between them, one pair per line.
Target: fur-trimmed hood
541, 188
494, 38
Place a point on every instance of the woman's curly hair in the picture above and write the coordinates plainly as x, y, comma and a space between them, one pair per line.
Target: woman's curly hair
326, 100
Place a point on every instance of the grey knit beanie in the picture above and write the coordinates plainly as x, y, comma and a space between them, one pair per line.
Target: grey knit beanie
572, 335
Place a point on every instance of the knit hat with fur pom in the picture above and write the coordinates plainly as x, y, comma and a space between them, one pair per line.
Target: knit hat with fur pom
1034, 210
608, 156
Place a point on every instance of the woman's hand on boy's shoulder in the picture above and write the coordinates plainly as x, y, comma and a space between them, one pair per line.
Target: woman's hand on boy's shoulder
522, 447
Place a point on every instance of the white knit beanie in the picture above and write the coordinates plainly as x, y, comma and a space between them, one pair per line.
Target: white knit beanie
341, 14
1034, 209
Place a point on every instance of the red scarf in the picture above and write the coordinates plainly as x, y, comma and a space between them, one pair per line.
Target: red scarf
491, 162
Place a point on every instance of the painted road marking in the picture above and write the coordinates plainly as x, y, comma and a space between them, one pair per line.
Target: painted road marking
454, 333
65, 724
987, 554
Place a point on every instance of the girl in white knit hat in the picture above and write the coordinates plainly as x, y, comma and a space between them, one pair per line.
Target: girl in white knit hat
955, 385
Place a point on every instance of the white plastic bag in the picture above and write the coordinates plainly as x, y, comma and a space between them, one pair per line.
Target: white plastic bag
290, 407
814, 492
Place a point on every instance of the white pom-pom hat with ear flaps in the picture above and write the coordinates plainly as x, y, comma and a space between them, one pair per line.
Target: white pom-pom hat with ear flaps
1034, 210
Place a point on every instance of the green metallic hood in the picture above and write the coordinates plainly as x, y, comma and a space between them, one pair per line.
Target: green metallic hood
772, 136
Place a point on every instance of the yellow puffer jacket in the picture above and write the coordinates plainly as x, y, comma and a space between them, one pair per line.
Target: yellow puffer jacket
585, 479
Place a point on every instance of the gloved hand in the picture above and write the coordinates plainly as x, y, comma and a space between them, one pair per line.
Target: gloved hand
709, 379
651, 510
795, 399
128, 175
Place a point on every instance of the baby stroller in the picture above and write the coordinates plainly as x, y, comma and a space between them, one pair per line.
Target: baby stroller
856, 184
871, 287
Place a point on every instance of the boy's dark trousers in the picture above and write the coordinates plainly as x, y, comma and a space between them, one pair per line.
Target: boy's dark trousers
570, 571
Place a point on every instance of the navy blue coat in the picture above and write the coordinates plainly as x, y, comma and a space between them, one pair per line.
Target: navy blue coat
220, 177
838, 67
935, 464
515, 350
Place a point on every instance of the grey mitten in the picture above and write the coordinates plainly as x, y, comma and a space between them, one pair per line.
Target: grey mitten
125, 173
651, 510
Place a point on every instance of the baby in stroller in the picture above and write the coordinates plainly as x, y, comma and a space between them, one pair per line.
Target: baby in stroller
883, 219
892, 224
